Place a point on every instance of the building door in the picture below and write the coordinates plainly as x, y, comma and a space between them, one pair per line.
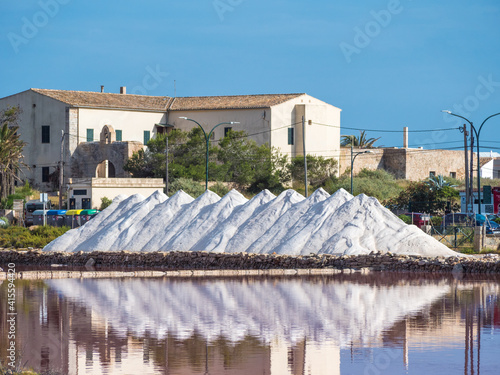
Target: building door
86, 204
72, 203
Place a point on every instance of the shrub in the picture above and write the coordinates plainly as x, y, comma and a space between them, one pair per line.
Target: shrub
406, 219
20, 237
189, 186
436, 221
105, 202
220, 189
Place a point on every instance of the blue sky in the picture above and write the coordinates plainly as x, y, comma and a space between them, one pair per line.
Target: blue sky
386, 64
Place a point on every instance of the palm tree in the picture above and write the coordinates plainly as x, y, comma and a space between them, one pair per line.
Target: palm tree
360, 141
11, 147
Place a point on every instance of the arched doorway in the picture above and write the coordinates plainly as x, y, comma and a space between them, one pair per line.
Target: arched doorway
105, 169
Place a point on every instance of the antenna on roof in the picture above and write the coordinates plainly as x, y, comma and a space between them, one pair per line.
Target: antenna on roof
175, 89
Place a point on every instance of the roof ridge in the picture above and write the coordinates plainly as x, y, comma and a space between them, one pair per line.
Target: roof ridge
238, 96
98, 92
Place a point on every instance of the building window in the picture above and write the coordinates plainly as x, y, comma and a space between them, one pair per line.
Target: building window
45, 134
80, 192
227, 130
118, 135
90, 135
45, 174
290, 136
453, 174
432, 174
147, 136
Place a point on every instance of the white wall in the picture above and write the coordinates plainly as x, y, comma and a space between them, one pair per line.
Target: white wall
131, 123
251, 120
321, 140
38, 110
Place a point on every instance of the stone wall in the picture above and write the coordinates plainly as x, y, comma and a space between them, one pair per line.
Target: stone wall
207, 261
89, 155
410, 164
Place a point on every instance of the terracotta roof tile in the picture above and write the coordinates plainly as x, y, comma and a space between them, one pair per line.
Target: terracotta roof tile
162, 103
108, 100
230, 102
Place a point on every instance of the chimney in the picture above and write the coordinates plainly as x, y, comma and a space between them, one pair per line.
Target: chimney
102, 88
123, 90
405, 137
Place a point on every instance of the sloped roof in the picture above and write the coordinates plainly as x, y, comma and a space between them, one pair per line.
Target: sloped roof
107, 100
164, 103
230, 102
484, 161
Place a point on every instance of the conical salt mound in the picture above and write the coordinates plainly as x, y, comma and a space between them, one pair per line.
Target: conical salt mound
183, 217
104, 238
277, 232
249, 231
208, 218
298, 236
74, 237
222, 234
363, 225
124, 228
154, 224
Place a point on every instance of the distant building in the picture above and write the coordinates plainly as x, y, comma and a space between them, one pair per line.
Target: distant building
417, 164
407, 163
86, 193
102, 130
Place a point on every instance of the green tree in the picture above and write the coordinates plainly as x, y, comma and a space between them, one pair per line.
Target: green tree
375, 183
11, 148
234, 159
272, 172
362, 141
238, 157
420, 197
319, 169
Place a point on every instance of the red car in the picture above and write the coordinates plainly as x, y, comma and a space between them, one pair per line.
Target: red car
419, 218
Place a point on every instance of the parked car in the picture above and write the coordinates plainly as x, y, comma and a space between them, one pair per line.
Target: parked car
419, 218
32, 206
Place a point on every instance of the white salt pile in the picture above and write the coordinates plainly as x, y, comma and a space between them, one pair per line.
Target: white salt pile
287, 224
224, 232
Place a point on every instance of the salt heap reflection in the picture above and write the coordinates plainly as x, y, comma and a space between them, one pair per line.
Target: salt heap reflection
288, 309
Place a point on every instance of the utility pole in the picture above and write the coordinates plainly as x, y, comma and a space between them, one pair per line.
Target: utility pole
467, 196
471, 170
61, 170
304, 150
166, 163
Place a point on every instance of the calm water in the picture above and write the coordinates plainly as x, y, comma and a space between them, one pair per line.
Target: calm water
344, 324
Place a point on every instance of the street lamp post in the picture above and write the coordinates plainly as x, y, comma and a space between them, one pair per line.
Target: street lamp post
477, 133
353, 156
207, 141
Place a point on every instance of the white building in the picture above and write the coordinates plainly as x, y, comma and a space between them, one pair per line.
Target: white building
102, 130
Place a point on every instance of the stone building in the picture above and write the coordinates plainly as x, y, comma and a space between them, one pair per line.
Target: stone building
407, 163
99, 131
